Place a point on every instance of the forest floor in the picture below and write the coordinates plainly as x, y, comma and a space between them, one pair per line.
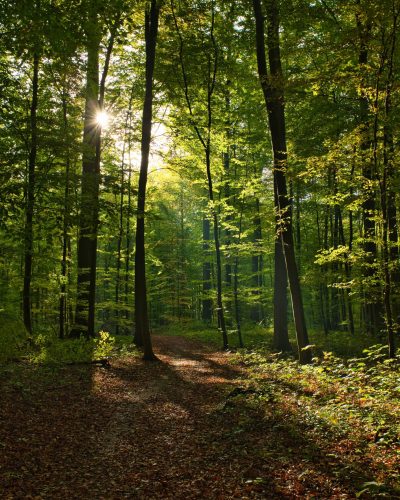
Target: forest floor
174, 429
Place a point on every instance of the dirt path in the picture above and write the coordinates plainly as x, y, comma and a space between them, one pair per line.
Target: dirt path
147, 431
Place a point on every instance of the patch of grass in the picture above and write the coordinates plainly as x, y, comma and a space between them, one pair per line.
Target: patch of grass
196, 330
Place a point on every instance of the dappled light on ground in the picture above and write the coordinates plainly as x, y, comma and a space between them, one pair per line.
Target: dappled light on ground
172, 429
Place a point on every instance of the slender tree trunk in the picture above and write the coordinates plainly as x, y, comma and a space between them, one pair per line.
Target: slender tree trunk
87, 241
322, 285
206, 310
297, 206
128, 224
391, 214
371, 306
236, 280
206, 143
334, 266
387, 289
274, 100
118, 283
30, 198
227, 196
387, 196
390, 172
220, 310
89, 202
119, 242
383, 185
182, 263
102, 89
63, 303
281, 334
212, 71
348, 277
256, 266
142, 327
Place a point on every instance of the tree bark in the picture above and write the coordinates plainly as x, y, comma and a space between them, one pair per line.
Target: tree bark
206, 143
206, 310
236, 280
128, 225
256, 312
274, 99
63, 326
142, 327
118, 284
371, 306
89, 200
30, 195
281, 334
85, 314
390, 173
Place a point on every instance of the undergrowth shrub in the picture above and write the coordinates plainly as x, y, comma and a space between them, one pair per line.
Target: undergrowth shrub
14, 338
53, 350
365, 389
336, 402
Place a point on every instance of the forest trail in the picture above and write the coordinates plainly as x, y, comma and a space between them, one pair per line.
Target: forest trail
165, 430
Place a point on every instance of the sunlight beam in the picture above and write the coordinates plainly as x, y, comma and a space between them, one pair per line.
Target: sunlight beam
102, 119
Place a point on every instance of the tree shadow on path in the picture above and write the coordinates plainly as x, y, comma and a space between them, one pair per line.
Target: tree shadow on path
169, 430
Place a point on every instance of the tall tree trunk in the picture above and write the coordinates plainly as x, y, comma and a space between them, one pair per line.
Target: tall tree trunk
322, 284
220, 310
274, 99
256, 266
348, 276
206, 309
281, 334
371, 305
30, 197
142, 328
206, 143
390, 172
227, 192
118, 284
387, 287
212, 71
89, 200
89, 213
63, 303
297, 204
119, 240
386, 193
128, 223
236, 279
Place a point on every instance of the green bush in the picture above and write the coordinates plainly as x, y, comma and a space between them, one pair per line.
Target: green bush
56, 351
14, 338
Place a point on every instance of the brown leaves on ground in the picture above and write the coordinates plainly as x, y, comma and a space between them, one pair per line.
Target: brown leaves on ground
153, 430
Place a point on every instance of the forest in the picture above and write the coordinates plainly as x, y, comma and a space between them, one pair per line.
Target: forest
199, 249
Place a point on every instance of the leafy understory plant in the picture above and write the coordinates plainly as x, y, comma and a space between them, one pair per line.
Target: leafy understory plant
80, 350
354, 403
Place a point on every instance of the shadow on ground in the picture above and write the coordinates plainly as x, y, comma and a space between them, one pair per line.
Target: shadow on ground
163, 430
